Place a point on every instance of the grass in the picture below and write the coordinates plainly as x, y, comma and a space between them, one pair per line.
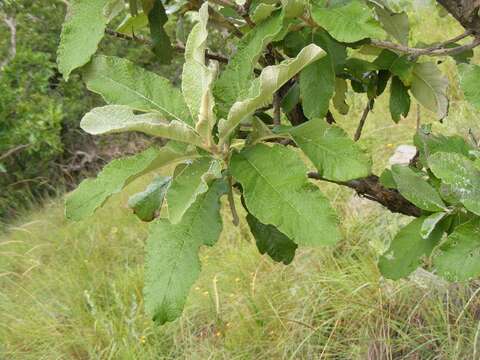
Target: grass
74, 290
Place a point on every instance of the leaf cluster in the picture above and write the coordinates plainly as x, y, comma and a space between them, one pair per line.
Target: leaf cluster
299, 58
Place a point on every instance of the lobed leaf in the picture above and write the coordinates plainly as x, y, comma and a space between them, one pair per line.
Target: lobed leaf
277, 192
121, 82
92, 193
133, 24
429, 87
147, 203
197, 78
238, 74
347, 21
157, 18
416, 189
395, 24
262, 11
334, 154
82, 31
119, 118
190, 182
263, 88
172, 264
430, 223
429, 144
461, 175
271, 241
339, 99
317, 80
407, 250
469, 80
459, 258
399, 100
398, 65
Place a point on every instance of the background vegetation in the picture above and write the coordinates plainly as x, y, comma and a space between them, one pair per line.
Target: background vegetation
75, 290
42, 149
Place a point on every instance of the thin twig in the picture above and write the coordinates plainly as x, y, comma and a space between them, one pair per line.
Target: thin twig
223, 21
243, 11
473, 137
419, 117
361, 124
177, 47
231, 202
276, 108
12, 151
442, 44
433, 51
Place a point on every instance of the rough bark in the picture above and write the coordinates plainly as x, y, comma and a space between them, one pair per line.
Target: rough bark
371, 189
465, 12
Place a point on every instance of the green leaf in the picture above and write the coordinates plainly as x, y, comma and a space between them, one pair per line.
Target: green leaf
293, 8
133, 24
347, 22
92, 193
386, 179
113, 8
317, 86
407, 250
469, 80
147, 203
463, 57
398, 65
416, 189
395, 24
334, 154
133, 7
121, 82
461, 174
270, 80
271, 241
339, 99
336, 51
399, 100
277, 192
197, 78
157, 18
171, 264
317, 81
262, 12
238, 74
259, 132
291, 98
190, 182
429, 144
429, 87
430, 223
119, 118
82, 30
459, 258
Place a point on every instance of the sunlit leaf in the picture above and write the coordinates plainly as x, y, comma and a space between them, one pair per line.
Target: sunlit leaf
277, 192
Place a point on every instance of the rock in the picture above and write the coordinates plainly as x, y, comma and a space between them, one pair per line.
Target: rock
403, 154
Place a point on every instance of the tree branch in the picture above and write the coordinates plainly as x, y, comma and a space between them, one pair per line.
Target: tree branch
361, 124
13, 150
431, 51
12, 51
177, 47
371, 189
465, 12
